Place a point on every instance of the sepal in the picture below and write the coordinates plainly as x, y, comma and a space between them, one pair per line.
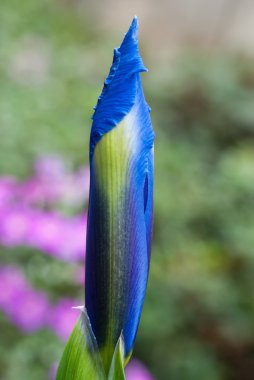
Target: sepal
81, 359
116, 371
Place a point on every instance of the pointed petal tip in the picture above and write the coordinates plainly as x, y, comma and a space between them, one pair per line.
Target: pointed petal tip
132, 33
130, 42
127, 63
134, 24
133, 29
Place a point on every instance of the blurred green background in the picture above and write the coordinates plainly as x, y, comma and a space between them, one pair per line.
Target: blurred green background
198, 318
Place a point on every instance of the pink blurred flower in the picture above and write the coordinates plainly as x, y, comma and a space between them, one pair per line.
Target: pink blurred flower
135, 370
63, 318
50, 167
7, 190
26, 308
73, 242
12, 284
14, 226
50, 185
38, 193
58, 236
29, 310
49, 232
46, 185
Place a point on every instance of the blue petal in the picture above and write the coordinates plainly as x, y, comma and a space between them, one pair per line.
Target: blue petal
120, 203
149, 202
120, 87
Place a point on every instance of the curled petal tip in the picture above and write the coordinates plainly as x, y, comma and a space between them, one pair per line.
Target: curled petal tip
120, 87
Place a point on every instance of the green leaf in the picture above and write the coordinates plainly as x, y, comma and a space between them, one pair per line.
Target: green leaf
81, 359
116, 371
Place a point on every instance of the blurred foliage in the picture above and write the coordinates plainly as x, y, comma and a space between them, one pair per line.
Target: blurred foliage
199, 311
198, 317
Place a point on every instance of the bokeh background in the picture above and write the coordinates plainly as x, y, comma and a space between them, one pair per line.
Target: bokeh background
198, 318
